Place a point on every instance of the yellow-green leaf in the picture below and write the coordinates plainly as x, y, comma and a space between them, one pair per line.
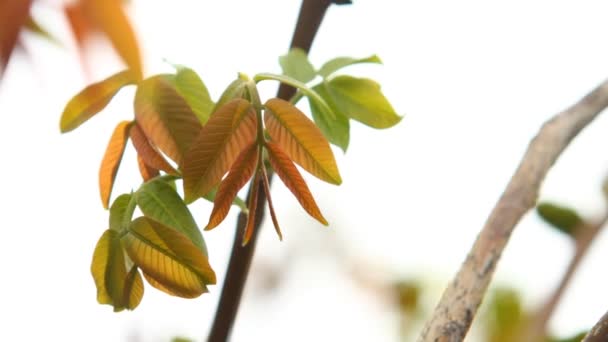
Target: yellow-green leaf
361, 99
109, 270
235, 90
133, 289
336, 129
111, 161
240, 172
93, 99
110, 18
292, 178
295, 64
148, 152
194, 91
121, 207
229, 130
168, 257
301, 140
336, 64
160, 202
165, 117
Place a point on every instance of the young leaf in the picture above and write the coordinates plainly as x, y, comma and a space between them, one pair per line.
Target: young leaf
362, 100
160, 202
193, 90
301, 140
121, 207
147, 172
292, 178
240, 172
253, 204
109, 271
273, 215
110, 18
148, 152
563, 219
338, 63
337, 129
134, 289
93, 99
296, 64
111, 160
165, 117
235, 90
229, 130
13, 15
169, 258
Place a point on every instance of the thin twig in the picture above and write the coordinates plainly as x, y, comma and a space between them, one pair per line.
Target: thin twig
309, 20
458, 305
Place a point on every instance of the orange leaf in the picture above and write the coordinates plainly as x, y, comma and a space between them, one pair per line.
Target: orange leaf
78, 22
110, 18
148, 152
165, 117
146, 171
13, 14
240, 173
273, 216
253, 205
301, 140
292, 178
229, 130
111, 161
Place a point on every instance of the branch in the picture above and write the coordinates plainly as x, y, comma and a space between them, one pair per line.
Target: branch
309, 20
458, 305
599, 333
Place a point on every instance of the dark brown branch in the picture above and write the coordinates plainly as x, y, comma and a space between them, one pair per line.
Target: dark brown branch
458, 305
309, 20
599, 333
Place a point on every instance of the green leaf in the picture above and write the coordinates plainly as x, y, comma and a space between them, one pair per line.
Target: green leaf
336, 130
562, 218
193, 90
109, 270
168, 258
93, 99
236, 89
362, 100
160, 202
121, 211
295, 64
338, 63
133, 289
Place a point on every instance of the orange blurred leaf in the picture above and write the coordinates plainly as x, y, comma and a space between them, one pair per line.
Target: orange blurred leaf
146, 171
165, 117
301, 140
110, 18
111, 160
148, 152
292, 178
229, 130
93, 99
240, 172
13, 15
253, 204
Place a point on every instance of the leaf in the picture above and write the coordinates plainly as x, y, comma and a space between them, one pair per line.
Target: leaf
134, 289
111, 161
168, 257
33, 26
229, 130
301, 140
160, 202
110, 18
273, 215
240, 172
109, 271
13, 15
239, 202
562, 218
148, 152
147, 172
236, 89
193, 90
338, 63
362, 100
253, 204
292, 178
165, 117
121, 211
296, 64
93, 99
336, 129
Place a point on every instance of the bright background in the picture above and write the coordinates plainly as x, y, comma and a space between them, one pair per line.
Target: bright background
475, 80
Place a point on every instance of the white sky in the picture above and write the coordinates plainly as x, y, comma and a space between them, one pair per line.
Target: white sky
475, 80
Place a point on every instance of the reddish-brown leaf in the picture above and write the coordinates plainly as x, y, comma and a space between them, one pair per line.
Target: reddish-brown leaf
240, 172
273, 215
148, 152
80, 25
301, 140
229, 130
292, 178
146, 171
111, 161
165, 117
253, 205
13, 14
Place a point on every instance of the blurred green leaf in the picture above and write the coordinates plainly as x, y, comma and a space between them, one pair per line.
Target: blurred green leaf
33, 26
564, 219
336, 64
336, 129
181, 339
121, 207
408, 294
295, 64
